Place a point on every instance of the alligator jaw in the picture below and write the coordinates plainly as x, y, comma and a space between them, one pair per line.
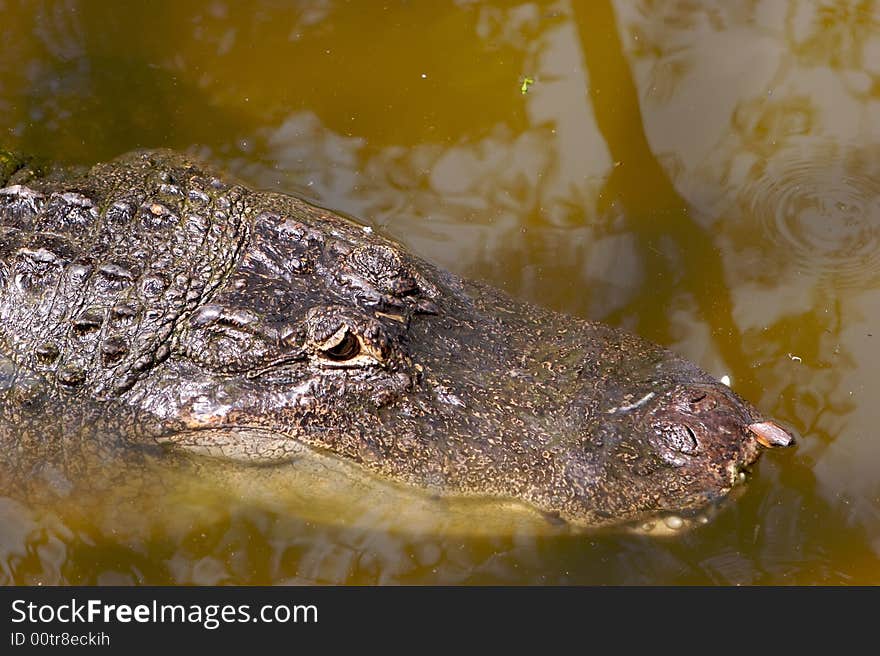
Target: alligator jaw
252, 445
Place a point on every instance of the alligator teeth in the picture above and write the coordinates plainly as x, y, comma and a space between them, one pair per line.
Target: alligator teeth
770, 435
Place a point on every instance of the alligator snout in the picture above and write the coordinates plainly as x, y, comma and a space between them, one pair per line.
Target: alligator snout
711, 419
682, 444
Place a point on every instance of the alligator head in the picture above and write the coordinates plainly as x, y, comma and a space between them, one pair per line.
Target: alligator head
278, 326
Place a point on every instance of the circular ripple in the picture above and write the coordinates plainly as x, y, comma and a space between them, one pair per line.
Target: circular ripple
822, 207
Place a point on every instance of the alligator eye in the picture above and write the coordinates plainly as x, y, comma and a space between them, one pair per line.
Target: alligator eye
345, 349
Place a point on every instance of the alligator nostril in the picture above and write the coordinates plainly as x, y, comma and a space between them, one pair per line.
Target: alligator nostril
702, 402
679, 437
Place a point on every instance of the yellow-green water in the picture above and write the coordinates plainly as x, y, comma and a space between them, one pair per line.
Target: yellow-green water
705, 174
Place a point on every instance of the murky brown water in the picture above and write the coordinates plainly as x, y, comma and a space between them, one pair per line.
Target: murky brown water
705, 174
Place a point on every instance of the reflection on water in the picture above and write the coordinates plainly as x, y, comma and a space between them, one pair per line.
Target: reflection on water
703, 173
226, 523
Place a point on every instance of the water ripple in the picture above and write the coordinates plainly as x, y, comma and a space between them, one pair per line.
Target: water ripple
821, 205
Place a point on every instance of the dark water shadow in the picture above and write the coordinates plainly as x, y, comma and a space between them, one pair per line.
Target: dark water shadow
676, 247
90, 95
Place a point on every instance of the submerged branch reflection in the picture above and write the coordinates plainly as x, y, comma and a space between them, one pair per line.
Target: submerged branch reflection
678, 250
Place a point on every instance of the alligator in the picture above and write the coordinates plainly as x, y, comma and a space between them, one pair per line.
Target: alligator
184, 312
